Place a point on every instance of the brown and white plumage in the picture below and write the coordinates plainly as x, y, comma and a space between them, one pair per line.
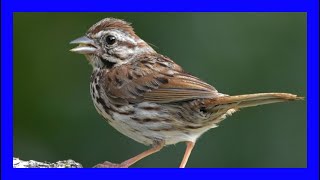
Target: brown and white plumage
148, 97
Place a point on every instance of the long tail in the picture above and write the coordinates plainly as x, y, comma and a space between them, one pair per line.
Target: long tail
249, 100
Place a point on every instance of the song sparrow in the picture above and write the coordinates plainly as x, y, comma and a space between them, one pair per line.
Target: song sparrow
148, 97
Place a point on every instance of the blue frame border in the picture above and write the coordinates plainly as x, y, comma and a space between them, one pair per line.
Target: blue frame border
310, 6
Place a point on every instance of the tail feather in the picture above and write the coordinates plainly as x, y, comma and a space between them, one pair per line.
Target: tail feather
249, 100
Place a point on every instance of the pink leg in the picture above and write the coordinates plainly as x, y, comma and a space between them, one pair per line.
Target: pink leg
133, 160
186, 156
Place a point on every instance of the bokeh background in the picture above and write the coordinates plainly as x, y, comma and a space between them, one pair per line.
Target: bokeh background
54, 117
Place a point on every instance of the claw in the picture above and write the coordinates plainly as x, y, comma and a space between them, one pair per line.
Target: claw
108, 164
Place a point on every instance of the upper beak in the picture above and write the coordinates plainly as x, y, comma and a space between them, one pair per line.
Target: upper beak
86, 45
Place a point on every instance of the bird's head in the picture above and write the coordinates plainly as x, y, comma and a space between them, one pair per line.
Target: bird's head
110, 42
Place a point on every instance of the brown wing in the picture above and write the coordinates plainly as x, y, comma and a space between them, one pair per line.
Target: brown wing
154, 79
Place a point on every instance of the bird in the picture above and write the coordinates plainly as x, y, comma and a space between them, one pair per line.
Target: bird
148, 97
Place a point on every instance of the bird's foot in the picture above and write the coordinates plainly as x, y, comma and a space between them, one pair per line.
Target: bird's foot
108, 164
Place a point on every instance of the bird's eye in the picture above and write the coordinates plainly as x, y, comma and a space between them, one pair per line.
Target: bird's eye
110, 39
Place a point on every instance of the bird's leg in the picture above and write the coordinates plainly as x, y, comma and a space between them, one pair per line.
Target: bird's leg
186, 156
133, 160
137, 158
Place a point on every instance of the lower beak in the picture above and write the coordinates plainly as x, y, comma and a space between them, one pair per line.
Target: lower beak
86, 45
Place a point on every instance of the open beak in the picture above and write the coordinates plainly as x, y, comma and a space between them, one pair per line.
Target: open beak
86, 45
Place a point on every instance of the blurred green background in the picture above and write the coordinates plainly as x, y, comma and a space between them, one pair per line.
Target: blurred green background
54, 117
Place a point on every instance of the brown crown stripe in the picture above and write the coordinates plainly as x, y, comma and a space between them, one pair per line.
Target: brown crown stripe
111, 23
